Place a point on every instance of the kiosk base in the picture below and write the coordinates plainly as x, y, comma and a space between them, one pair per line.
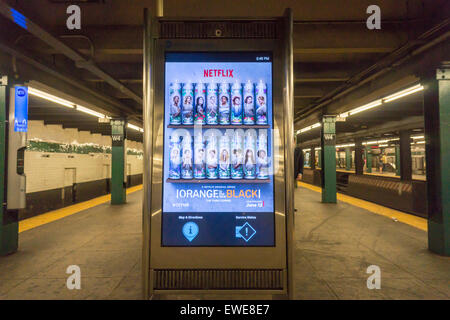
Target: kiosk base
214, 279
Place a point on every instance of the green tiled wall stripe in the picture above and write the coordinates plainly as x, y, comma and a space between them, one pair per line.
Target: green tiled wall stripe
54, 147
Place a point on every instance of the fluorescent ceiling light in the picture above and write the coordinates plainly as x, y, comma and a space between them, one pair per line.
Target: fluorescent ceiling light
403, 93
380, 141
63, 102
315, 125
50, 97
305, 129
372, 104
91, 112
365, 107
418, 137
420, 142
383, 145
132, 126
345, 145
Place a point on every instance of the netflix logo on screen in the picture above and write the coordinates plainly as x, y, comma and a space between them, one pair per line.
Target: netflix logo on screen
209, 73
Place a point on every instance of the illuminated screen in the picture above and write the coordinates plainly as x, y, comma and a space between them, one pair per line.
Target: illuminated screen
218, 158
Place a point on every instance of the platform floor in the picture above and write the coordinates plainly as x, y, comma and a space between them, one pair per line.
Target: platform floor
334, 246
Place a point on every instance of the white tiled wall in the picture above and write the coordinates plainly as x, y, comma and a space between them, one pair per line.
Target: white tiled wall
45, 171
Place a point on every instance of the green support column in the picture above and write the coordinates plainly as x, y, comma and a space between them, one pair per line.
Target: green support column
319, 162
348, 159
397, 160
437, 132
359, 162
368, 160
118, 181
328, 140
405, 156
9, 226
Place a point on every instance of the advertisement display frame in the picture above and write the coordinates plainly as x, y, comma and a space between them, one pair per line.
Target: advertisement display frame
162, 265
204, 128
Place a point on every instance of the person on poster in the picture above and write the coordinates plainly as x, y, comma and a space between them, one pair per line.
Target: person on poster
211, 160
237, 158
187, 107
175, 111
224, 101
237, 110
175, 155
249, 107
199, 167
187, 160
262, 161
249, 160
224, 160
224, 110
261, 111
175, 162
200, 108
212, 106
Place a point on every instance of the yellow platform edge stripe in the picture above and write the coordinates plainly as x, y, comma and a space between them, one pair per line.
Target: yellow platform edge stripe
414, 221
51, 216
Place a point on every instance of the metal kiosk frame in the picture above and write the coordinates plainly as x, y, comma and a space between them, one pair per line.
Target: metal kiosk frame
229, 270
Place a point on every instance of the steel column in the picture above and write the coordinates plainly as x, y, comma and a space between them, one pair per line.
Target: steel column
348, 159
319, 160
9, 226
359, 151
118, 174
328, 140
397, 160
148, 115
405, 156
437, 130
289, 144
368, 154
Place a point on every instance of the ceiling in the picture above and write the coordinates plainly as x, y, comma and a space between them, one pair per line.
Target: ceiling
332, 45
52, 113
382, 121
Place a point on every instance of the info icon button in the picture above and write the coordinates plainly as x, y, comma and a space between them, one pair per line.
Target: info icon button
190, 230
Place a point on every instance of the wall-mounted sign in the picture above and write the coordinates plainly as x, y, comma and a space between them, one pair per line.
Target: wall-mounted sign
20, 109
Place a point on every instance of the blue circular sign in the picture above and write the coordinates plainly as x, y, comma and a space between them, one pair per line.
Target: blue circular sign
21, 92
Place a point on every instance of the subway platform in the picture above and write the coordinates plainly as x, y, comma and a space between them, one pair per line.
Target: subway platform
334, 246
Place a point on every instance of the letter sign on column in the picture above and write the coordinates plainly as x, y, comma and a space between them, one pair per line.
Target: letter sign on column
21, 109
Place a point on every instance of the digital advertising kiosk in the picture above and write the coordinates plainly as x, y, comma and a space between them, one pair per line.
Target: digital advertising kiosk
218, 167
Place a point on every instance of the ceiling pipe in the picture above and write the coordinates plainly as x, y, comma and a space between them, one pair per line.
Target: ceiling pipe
159, 8
391, 127
387, 21
61, 47
81, 36
337, 93
113, 102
